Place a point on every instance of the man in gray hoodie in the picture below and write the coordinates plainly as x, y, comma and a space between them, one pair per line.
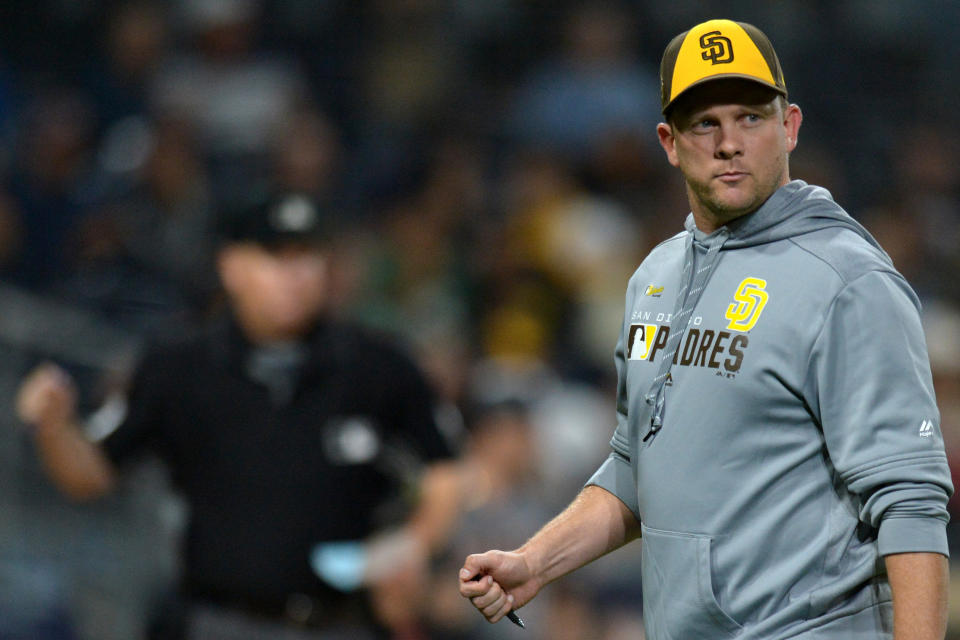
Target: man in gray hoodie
778, 444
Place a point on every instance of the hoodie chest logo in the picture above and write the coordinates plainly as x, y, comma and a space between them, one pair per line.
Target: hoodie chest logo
749, 300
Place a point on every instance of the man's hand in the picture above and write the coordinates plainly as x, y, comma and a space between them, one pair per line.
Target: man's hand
47, 398
595, 523
498, 582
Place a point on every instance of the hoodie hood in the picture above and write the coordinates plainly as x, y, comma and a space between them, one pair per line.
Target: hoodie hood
794, 209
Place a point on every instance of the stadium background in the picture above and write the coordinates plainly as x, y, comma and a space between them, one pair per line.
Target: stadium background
494, 169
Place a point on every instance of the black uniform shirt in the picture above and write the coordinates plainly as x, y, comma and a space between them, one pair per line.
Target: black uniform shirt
266, 480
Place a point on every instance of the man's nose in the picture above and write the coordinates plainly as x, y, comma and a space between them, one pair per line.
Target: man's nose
729, 142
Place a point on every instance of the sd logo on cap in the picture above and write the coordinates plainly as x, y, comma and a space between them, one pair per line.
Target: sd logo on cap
718, 49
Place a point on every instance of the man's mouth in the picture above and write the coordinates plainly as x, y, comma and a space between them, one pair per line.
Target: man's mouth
732, 176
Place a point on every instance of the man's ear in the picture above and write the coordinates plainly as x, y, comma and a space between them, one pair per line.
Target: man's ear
792, 118
668, 142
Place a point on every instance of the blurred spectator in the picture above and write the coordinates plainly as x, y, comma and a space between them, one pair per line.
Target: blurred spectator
46, 183
143, 253
928, 185
584, 247
897, 231
415, 266
233, 94
11, 231
306, 154
593, 90
815, 163
411, 63
568, 419
133, 51
411, 76
8, 111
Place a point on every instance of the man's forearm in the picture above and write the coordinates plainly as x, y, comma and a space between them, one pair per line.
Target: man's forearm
919, 582
594, 524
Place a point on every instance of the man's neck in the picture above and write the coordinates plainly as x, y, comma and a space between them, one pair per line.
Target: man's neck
707, 222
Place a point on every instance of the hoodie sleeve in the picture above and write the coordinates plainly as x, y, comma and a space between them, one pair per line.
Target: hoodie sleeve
869, 382
616, 474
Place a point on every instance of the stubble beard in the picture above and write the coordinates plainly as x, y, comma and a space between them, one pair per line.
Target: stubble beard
722, 212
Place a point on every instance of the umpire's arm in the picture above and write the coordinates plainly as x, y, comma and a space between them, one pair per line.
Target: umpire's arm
47, 401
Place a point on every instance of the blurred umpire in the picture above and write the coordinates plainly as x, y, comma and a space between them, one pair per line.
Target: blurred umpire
289, 434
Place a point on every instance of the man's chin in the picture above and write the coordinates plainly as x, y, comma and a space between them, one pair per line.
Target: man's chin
730, 208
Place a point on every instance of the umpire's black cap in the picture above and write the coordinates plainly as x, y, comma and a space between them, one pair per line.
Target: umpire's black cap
273, 219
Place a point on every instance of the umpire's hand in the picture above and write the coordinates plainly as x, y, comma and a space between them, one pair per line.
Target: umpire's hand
498, 582
47, 398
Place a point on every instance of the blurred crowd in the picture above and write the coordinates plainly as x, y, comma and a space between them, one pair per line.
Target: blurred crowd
494, 173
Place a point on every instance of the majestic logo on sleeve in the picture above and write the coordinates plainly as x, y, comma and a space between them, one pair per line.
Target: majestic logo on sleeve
716, 48
750, 299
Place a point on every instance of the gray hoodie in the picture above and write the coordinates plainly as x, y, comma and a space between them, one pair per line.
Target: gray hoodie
791, 441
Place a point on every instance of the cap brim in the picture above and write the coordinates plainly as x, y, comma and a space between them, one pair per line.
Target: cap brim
724, 76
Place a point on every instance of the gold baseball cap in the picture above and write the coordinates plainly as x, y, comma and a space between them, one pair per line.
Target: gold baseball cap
718, 49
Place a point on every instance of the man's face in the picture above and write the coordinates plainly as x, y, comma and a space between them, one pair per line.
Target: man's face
277, 293
731, 140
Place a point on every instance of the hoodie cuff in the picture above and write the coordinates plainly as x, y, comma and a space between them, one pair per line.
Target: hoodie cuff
616, 476
912, 535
